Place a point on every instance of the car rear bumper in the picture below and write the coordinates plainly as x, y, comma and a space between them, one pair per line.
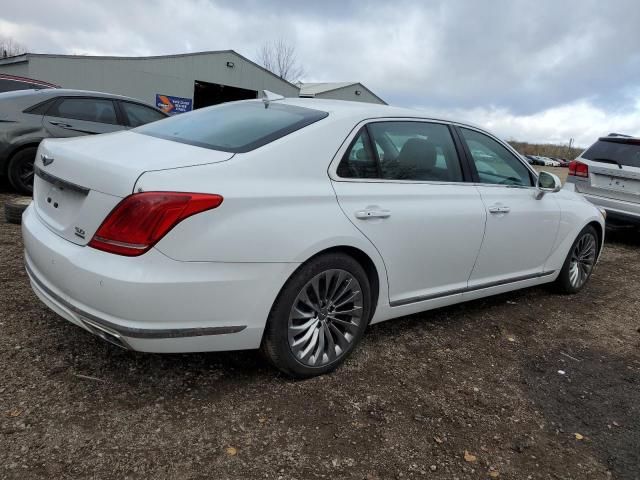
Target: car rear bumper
617, 210
151, 303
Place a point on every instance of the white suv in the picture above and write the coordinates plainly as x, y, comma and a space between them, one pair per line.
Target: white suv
608, 175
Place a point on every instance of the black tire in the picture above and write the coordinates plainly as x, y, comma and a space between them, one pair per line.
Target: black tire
563, 283
13, 209
275, 341
20, 171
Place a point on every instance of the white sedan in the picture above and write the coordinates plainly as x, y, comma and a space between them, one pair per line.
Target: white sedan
290, 225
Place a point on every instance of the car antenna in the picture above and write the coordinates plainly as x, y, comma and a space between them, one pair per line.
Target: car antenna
268, 97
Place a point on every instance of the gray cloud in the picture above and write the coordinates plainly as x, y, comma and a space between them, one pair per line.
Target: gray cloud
519, 57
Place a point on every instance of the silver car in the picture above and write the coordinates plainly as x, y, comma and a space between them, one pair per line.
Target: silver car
608, 175
28, 116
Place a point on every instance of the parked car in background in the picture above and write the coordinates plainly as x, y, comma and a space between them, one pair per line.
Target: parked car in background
608, 175
9, 83
549, 162
291, 225
28, 116
535, 160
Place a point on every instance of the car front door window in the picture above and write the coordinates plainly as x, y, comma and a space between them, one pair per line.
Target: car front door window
140, 115
493, 162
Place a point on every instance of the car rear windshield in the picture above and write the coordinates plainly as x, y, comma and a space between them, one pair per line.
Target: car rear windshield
233, 127
622, 150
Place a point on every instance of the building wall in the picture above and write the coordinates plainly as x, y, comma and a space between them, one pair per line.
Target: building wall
348, 93
19, 69
144, 78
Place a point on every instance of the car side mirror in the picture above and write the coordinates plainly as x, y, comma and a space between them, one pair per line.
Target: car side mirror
547, 183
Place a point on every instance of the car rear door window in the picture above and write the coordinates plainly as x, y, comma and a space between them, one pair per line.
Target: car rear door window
139, 114
417, 151
493, 162
359, 161
88, 109
40, 108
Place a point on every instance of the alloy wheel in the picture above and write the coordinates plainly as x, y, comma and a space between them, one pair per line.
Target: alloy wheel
325, 318
583, 258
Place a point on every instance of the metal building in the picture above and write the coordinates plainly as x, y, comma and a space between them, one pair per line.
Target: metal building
354, 91
174, 82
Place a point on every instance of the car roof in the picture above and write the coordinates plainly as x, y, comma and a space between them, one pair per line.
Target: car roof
44, 94
621, 136
345, 108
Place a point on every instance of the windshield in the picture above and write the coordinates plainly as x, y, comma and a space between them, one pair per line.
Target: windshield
233, 127
623, 151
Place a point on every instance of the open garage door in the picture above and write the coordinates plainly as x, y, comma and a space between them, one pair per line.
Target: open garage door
206, 94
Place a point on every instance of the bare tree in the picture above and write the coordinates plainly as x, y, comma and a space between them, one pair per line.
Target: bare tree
279, 57
9, 47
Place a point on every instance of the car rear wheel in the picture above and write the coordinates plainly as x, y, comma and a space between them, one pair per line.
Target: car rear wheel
20, 170
319, 316
14, 208
579, 263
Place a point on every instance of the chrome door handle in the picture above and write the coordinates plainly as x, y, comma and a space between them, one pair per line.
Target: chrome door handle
372, 213
499, 209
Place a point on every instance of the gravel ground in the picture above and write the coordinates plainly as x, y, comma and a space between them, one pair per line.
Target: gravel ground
471, 391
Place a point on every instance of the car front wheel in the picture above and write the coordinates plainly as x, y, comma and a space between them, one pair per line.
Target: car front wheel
579, 263
319, 316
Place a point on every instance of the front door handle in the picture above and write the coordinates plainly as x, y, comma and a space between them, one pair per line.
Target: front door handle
372, 213
499, 209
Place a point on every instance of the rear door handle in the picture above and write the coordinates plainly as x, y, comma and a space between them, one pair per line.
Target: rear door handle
372, 213
499, 209
61, 124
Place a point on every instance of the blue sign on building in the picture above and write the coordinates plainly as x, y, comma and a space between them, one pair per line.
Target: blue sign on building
173, 105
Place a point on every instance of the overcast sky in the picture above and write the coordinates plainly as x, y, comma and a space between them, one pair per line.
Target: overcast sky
537, 70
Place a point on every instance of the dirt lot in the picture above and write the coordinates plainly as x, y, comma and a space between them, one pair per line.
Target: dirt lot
471, 391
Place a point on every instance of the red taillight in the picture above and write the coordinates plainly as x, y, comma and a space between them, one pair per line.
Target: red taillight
578, 169
139, 221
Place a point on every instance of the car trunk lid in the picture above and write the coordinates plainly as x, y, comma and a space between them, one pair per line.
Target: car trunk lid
79, 181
